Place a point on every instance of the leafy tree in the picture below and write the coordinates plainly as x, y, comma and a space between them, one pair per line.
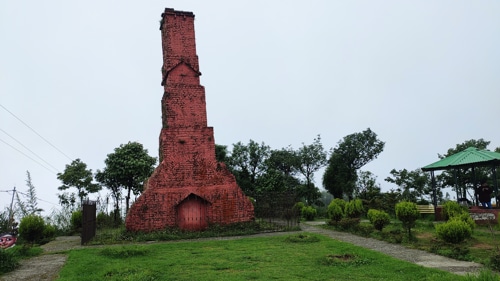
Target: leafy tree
247, 162
128, 167
280, 172
414, 186
352, 153
76, 175
311, 158
221, 153
368, 190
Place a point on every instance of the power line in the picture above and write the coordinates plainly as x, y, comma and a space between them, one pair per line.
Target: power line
28, 156
29, 150
36, 132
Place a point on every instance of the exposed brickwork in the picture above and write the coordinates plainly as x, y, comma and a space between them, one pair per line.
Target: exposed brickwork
189, 189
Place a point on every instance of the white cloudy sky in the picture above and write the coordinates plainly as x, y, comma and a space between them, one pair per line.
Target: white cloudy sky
85, 75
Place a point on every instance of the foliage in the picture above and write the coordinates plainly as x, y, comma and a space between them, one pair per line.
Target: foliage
414, 185
379, 219
8, 261
311, 158
32, 202
76, 175
466, 218
33, 229
407, 213
345, 223
309, 213
454, 231
60, 219
128, 167
336, 209
352, 153
354, 208
247, 162
77, 221
452, 208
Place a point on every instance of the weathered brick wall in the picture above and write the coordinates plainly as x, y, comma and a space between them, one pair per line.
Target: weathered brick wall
188, 169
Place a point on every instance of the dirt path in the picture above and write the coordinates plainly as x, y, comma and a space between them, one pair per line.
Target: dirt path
47, 266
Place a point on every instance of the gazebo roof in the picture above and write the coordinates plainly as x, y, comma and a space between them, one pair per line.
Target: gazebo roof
470, 157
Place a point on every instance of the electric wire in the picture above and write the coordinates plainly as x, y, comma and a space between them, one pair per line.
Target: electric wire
48, 142
28, 156
29, 150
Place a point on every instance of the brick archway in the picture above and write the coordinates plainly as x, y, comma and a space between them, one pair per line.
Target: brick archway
192, 213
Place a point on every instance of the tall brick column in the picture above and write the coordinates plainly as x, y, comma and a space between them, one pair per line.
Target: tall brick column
189, 189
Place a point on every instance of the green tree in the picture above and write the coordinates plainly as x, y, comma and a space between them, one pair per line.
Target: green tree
352, 153
30, 205
311, 158
128, 167
221, 153
280, 172
76, 175
247, 162
368, 190
414, 186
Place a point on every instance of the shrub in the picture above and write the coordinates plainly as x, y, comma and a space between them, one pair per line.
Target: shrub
407, 213
8, 261
346, 223
354, 208
452, 208
104, 220
336, 209
454, 231
379, 219
309, 213
31, 229
465, 217
77, 221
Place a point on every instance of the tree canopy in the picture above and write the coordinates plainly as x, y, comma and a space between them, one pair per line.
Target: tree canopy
352, 152
128, 167
77, 175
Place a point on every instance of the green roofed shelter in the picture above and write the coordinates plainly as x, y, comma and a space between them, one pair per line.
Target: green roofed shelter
468, 158
471, 157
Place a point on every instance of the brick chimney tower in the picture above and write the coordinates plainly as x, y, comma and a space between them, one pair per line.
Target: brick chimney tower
189, 189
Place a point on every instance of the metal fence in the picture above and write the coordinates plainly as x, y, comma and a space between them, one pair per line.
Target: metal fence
89, 221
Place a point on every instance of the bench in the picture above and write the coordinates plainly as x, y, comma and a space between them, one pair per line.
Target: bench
426, 209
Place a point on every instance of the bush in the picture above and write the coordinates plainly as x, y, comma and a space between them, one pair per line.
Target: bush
354, 208
346, 223
452, 208
309, 213
77, 221
104, 220
336, 209
454, 231
465, 217
379, 219
31, 229
407, 213
8, 261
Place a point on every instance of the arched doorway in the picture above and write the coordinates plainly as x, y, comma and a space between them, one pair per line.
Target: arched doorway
192, 213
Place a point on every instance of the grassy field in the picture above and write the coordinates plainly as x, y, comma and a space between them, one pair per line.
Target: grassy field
288, 257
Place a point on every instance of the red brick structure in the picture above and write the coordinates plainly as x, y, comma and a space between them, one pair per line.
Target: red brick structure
189, 189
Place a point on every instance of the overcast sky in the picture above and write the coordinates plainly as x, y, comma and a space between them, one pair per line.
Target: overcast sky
85, 76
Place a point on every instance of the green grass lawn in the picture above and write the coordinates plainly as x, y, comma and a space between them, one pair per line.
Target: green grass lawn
289, 257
